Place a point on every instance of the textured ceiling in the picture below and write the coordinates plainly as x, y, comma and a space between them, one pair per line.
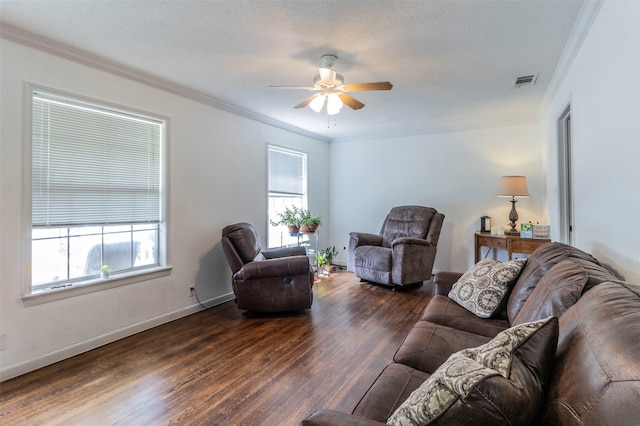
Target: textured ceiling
452, 63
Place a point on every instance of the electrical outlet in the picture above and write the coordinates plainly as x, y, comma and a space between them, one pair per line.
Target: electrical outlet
192, 290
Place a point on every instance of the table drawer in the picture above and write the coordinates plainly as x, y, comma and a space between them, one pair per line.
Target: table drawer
492, 242
527, 245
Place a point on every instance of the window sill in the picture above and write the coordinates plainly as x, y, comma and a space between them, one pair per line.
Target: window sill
94, 286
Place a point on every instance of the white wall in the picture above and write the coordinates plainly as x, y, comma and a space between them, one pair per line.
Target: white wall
457, 173
603, 88
217, 171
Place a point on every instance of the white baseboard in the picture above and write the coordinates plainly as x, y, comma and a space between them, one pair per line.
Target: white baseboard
87, 345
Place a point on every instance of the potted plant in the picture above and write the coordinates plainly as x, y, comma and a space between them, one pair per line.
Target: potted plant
291, 217
325, 259
104, 271
309, 222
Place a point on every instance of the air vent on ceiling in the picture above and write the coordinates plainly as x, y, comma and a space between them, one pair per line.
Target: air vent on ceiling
525, 80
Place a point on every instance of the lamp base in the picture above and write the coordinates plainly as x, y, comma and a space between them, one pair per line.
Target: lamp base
513, 217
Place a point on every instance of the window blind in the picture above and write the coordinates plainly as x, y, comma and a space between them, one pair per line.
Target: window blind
93, 165
286, 172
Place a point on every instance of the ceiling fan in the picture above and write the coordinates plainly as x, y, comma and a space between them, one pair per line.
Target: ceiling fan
332, 91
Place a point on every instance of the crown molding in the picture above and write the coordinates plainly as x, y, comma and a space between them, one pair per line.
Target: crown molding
61, 50
581, 28
455, 128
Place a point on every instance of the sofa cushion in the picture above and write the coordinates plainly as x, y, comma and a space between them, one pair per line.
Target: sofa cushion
500, 382
537, 266
481, 289
596, 378
442, 310
394, 384
560, 288
428, 345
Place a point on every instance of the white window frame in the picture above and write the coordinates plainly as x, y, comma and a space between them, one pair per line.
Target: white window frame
29, 297
277, 236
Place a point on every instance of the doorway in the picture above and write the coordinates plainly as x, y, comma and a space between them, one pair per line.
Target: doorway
565, 185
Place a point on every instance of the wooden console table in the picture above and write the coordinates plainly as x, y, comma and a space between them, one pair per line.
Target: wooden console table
512, 244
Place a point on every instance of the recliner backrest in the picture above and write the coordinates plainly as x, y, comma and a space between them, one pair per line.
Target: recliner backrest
241, 244
409, 221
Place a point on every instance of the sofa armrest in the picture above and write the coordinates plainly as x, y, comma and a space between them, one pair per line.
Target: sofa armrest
284, 252
334, 418
443, 281
282, 266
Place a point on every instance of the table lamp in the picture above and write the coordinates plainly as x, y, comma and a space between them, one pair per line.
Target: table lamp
513, 186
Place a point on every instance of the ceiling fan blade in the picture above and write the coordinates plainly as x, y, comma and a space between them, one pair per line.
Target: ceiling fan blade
359, 87
327, 75
293, 87
307, 101
350, 101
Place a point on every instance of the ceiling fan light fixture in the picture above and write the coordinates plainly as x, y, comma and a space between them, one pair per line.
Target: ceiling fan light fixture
334, 104
317, 103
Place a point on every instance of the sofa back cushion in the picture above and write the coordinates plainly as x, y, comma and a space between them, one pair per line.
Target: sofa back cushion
538, 264
560, 288
596, 378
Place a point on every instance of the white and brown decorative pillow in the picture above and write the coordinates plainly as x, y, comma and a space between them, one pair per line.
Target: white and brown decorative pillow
481, 289
500, 382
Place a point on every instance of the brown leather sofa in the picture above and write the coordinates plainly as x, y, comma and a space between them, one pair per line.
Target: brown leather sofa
274, 280
595, 375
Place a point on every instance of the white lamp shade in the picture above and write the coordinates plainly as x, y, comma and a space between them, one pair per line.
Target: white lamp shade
513, 186
317, 103
334, 104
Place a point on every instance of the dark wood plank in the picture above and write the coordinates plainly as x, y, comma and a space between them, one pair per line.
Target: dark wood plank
224, 366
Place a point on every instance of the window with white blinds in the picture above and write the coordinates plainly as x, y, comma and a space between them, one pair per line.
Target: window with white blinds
96, 192
286, 172
287, 188
91, 165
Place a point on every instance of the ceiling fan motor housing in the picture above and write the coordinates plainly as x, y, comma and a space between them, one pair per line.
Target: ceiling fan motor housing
328, 60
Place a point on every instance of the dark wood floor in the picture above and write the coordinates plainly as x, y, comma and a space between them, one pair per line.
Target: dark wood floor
225, 367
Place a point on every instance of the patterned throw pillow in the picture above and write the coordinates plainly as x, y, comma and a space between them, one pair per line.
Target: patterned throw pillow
500, 382
481, 289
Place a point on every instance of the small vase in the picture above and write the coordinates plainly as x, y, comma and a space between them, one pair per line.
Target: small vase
104, 275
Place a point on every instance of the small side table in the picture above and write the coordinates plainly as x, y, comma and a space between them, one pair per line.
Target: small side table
512, 244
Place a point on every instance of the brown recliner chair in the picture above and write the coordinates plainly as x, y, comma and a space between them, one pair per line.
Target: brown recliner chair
275, 280
403, 253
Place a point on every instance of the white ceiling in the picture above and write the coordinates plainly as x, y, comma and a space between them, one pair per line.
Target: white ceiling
452, 62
